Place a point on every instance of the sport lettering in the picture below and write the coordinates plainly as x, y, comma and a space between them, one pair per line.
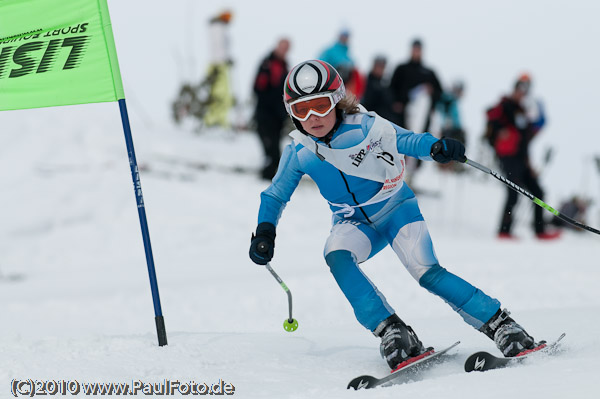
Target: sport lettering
42, 56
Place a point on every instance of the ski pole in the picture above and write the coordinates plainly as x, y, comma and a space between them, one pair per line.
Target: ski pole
290, 324
530, 196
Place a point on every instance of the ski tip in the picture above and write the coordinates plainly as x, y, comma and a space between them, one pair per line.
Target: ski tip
476, 361
362, 382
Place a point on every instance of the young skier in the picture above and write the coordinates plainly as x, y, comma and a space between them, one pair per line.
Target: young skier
357, 160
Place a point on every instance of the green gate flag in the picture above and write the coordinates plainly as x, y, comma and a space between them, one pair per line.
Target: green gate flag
57, 52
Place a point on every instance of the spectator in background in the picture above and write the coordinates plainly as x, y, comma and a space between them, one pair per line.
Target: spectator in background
410, 80
448, 108
377, 96
338, 55
575, 208
270, 114
451, 124
220, 98
510, 129
409, 76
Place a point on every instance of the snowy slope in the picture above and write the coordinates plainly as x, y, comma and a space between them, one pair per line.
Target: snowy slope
76, 301
74, 289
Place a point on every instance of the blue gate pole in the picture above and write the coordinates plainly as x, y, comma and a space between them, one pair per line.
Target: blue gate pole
137, 187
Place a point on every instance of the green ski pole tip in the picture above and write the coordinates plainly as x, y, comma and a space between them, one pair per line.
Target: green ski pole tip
290, 326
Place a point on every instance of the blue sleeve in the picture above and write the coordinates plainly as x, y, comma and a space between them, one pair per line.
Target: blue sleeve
326, 55
539, 123
274, 199
455, 116
414, 145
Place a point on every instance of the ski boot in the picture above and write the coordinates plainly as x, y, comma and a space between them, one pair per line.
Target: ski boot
398, 341
508, 336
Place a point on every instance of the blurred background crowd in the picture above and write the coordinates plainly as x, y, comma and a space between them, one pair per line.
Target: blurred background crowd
409, 93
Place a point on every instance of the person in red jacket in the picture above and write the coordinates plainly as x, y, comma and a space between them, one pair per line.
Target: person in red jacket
510, 130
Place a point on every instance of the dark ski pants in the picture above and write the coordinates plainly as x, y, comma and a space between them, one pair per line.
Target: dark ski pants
269, 132
518, 171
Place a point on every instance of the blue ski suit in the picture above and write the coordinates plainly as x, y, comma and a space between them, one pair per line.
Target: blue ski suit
361, 233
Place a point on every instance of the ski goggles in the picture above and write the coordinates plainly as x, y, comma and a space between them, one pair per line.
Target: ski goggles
319, 105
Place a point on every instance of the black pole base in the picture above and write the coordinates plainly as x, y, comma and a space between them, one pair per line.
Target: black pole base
161, 331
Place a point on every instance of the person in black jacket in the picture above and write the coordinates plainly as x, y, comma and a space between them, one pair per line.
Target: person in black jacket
377, 95
407, 77
270, 114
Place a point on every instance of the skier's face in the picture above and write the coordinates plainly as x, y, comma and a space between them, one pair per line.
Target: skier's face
319, 126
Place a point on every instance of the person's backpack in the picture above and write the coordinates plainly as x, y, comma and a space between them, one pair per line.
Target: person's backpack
503, 137
493, 120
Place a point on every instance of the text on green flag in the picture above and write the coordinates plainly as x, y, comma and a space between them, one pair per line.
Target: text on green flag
56, 52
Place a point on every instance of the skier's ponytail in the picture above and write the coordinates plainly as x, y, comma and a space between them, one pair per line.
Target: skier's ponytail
348, 104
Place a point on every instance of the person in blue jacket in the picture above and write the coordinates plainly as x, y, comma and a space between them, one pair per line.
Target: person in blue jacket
356, 158
338, 54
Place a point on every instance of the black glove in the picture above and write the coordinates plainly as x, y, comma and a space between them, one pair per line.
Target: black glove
446, 150
262, 244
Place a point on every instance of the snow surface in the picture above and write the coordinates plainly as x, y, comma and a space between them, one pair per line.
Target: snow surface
74, 290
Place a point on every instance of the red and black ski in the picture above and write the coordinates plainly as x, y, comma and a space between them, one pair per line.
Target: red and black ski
415, 363
483, 361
